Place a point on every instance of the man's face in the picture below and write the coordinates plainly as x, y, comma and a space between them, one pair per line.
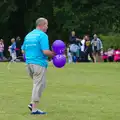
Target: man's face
18, 38
73, 33
95, 37
1, 40
45, 26
86, 38
12, 40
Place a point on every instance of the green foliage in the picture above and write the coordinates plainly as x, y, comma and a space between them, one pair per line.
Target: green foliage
6, 7
84, 16
110, 40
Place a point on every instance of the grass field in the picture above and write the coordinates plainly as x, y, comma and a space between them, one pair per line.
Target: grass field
76, 92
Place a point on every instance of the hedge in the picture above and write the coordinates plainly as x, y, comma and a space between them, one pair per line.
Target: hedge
110, 40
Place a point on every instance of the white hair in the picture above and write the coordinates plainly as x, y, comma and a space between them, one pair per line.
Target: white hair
40, 21
95, 35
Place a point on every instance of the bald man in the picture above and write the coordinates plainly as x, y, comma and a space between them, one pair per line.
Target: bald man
36, 50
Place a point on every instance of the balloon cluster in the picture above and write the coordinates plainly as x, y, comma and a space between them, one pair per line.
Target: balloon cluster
59, 48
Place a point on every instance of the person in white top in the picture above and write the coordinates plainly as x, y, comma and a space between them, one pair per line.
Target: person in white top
83, 45
12, 50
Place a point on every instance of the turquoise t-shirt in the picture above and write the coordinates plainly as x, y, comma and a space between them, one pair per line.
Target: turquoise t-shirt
35, 42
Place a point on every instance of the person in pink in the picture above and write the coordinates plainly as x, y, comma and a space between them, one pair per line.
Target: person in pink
110, 54
105, 56
117, 55
1, 49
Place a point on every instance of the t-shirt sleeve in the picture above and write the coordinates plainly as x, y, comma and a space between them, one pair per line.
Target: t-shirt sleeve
44, 42
22, 47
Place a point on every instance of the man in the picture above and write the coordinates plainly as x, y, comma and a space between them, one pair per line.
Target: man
97, 47
73, 39
18, 46
86, 49
36, 50
74, 45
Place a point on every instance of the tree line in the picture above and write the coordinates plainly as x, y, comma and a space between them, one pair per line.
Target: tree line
84, 16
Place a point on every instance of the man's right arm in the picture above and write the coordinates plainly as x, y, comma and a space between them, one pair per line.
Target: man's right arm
49, 53
45, 46
23, 47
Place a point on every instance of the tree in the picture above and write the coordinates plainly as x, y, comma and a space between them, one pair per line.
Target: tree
84, 16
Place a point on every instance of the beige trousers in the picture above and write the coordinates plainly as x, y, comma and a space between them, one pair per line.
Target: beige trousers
38, 74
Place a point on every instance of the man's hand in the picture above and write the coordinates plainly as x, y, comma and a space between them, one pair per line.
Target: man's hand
49, 53
22, 51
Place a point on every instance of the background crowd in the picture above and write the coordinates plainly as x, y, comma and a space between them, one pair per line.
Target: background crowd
88, 49
14, 50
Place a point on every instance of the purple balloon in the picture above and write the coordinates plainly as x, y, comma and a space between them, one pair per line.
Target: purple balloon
58, 47
59, 61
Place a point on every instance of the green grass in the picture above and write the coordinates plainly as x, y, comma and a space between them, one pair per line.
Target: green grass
76, 92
